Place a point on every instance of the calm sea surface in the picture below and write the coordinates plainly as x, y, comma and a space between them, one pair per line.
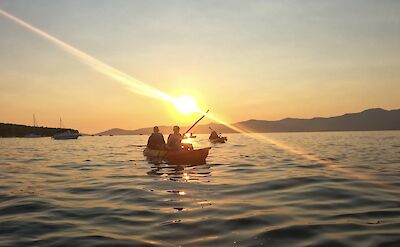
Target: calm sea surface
297, 189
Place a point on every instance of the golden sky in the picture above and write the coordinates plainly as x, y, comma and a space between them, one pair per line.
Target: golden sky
242, 59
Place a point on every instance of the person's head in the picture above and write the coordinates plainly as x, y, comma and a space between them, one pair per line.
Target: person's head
176, 129
155, 129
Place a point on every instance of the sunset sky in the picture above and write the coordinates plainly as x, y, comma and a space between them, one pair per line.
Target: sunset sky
242, 59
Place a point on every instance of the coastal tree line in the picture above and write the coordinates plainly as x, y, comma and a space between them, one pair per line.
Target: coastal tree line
17, 130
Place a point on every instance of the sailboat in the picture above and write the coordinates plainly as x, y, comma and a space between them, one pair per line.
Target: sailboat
33, 135
66, 135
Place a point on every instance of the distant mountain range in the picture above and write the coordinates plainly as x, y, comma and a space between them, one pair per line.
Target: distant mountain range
371, 119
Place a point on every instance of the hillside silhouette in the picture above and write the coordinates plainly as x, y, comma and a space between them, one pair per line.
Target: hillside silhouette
368, 120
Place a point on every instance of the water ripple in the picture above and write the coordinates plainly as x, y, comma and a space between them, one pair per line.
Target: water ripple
101, 191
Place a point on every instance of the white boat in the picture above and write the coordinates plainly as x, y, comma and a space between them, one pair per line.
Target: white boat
66, 135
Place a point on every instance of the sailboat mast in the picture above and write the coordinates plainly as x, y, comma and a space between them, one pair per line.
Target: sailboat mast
34, 121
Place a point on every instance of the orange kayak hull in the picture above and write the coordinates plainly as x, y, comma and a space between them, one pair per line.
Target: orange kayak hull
196, 156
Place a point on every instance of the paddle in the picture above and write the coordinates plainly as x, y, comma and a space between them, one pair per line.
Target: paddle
187, 131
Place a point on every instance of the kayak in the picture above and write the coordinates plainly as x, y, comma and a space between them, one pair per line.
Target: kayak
188, 136
219, 140
196, 156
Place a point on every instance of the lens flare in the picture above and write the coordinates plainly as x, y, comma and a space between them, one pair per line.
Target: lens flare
131, 83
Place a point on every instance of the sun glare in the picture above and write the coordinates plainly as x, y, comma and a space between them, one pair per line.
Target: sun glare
186, 105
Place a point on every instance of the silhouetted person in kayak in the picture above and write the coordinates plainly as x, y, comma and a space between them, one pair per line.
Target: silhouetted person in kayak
174, 140
156, 140
213, 135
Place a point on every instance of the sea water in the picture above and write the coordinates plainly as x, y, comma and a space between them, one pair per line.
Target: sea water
286, 189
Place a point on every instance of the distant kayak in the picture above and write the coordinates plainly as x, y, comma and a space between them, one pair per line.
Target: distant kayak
219, 140
189, 135
197, 156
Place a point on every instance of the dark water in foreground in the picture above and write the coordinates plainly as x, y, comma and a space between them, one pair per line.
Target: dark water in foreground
100, 191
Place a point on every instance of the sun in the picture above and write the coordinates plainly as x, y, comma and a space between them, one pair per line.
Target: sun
186, 105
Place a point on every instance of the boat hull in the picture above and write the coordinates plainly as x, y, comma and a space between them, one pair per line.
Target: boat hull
183, 157
219, 140
65, 137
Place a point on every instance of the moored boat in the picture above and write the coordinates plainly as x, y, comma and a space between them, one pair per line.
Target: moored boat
67, 135
182, 157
